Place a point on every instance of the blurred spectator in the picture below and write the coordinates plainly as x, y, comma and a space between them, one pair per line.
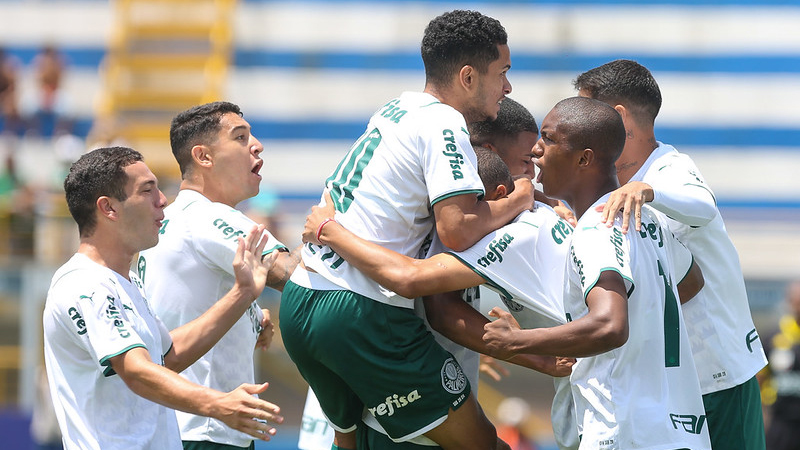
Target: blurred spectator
9, 112
780, 380
511, 415
48, 109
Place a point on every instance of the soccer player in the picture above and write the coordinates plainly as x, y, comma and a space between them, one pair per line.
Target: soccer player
727, 350
523, 261
219, 161
110, 361
634, 383
357, 343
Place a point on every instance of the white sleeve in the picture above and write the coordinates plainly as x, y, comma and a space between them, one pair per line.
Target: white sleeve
449, 162
680, 192
599, 248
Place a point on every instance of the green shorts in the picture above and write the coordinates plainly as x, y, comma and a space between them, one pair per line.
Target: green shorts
735, 421
355, 352
206, 445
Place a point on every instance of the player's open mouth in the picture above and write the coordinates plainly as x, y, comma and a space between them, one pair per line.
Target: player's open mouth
257, 167
538, 170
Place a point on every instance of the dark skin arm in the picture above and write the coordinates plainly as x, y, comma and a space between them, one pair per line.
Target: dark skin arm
462, 220
691, 284
456, 320
603, 328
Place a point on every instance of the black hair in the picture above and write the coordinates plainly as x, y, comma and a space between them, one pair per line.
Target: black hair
623, 82
196, 126
98, 173
512, 119
458, 38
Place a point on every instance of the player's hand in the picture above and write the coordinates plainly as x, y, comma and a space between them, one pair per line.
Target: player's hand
629, 199
267, 331
240, 410
249, 267
563, 366
565, 213
492, 368
499, 335
318, 214
523, 192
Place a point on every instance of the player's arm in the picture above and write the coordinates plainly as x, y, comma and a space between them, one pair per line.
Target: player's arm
691, 284
237, 408
194, 339
462, 220
603, 328
456, 320
406, 276
690, 204
283, 267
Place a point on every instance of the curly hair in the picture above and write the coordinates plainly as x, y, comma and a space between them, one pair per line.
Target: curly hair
458, 38
195, 126
98, 173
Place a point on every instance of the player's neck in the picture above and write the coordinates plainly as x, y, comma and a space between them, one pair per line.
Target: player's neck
107, 254
639, 144
591, 191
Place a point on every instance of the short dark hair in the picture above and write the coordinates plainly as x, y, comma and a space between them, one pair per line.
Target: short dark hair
492, 170
458, 38
623, 82
590, 123
512, 119
196, 126
98, 173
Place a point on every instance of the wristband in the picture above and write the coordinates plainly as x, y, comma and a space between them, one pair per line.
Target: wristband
319, 230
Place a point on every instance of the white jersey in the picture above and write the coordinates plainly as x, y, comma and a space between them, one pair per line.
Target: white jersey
189, 270
644, 394
525, 262
414, 153
93, 314
726, 346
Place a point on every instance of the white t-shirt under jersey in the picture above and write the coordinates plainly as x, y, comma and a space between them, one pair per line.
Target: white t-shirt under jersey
414, 153
726, 346
644, 394
184, 275
91, 315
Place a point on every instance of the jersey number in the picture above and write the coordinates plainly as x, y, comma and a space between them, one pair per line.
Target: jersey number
672, 324
347, 176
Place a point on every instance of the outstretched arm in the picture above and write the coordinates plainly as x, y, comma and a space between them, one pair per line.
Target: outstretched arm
238, 409
406, 276
692, 205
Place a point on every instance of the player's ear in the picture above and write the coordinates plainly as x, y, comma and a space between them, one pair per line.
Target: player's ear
586, 158
106, 207
466, 77
201, 155
497, 193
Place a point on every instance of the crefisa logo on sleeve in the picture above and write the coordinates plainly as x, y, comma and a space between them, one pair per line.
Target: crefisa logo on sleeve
453, 378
